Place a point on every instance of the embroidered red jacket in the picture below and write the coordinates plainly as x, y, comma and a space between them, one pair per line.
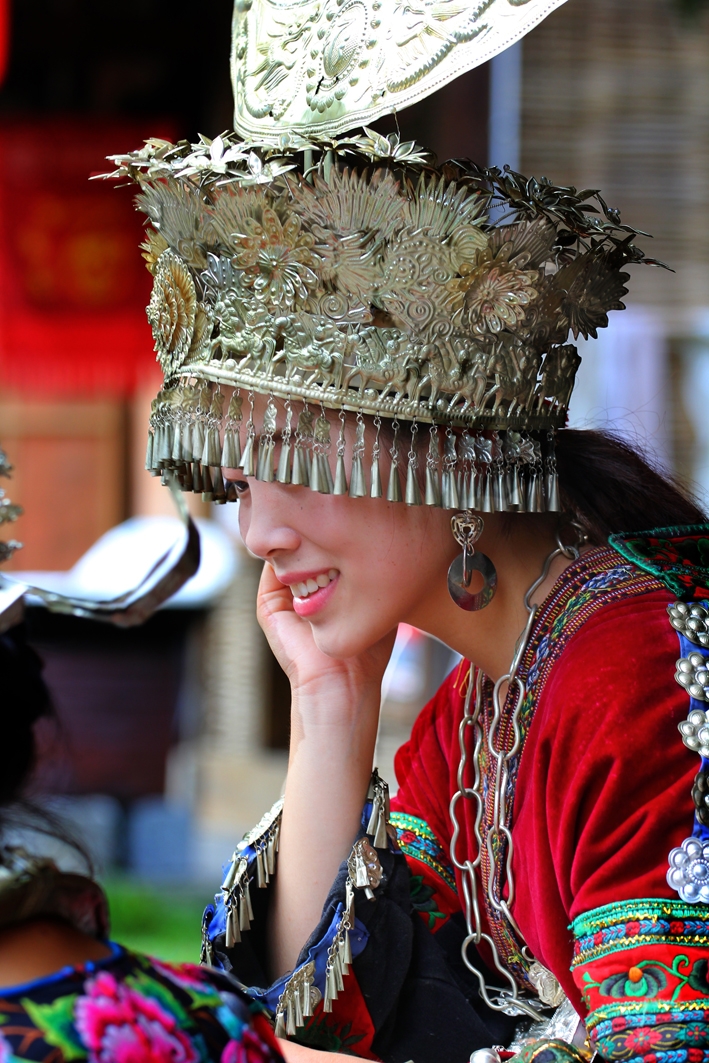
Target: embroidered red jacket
601, 793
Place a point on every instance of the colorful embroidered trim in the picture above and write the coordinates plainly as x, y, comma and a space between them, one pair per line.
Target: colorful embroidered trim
643, 970
417, 840
584, 588
677, 556
617, 927
649, 1038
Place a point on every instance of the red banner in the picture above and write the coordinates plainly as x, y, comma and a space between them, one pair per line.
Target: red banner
73, 286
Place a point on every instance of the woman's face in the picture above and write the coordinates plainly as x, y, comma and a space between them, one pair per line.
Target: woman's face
356, 567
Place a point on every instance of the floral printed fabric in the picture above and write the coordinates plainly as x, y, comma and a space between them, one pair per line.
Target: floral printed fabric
130, 1009
643, 971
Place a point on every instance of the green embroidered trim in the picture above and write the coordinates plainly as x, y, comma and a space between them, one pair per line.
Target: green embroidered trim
417, 840
641, 908
629, 924
677, 555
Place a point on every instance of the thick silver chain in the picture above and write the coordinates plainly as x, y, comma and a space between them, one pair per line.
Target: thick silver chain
506, 999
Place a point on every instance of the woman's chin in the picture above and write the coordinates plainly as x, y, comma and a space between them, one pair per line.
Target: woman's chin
340, 644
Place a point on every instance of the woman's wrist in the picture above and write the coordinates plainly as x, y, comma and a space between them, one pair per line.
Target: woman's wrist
325, 706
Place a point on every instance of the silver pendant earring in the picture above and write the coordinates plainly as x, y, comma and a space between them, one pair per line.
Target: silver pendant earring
467, 528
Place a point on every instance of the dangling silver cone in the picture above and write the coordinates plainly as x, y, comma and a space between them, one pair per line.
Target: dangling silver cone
340, 487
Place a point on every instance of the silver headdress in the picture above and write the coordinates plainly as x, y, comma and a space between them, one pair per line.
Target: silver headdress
350, 273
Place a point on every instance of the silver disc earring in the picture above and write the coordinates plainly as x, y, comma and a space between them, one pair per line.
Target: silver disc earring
467, 528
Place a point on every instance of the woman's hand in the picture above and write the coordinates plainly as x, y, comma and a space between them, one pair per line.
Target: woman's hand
309, 670
334, 719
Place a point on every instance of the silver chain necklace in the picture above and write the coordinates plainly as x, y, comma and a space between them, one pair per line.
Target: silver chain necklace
507, 1000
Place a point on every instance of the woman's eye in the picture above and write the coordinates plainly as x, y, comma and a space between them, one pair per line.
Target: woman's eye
241, 486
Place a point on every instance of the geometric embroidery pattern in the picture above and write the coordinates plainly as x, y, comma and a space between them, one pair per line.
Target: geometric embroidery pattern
417, 840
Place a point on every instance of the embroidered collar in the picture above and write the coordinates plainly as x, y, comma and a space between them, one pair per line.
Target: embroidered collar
678, 556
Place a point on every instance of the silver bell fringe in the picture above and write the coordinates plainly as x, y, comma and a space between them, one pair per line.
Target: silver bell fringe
498, 472
300, 996
263, 839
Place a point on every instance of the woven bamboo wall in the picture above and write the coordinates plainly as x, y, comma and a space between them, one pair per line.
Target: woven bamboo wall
616, 96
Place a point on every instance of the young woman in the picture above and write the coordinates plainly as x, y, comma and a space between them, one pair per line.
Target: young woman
601, 792
67, 992
546, 858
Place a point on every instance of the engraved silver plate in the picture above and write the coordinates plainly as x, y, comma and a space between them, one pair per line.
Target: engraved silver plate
327, 66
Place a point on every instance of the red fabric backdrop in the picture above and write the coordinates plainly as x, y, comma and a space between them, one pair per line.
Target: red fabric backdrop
73, 286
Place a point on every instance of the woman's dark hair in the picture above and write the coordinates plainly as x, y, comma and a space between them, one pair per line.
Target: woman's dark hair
609, 487
24, 698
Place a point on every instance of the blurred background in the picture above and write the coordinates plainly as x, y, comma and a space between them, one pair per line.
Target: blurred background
173, 737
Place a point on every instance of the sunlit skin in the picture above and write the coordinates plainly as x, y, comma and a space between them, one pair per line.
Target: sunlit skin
390, 563
39, 947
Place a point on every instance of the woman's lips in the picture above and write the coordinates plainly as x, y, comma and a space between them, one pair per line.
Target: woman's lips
307, 607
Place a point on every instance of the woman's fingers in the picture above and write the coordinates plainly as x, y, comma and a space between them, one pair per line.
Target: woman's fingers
273, 596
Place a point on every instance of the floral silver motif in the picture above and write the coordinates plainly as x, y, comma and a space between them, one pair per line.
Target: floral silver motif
384, 291
691, 620
693, 674
171, 311
333, 65
689, 870
695, 731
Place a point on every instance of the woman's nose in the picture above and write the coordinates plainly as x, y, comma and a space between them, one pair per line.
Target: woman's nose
266, 531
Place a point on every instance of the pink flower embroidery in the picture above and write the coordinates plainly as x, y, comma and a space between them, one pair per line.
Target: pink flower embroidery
186, 975
118, 1025
250, 1049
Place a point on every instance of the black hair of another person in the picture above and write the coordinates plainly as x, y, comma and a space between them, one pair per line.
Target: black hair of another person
24, 699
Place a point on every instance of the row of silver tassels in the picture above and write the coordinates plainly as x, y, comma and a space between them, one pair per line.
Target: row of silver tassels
300, 995
502, 472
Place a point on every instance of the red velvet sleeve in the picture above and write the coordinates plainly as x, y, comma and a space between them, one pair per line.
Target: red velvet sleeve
604, 794
605, 781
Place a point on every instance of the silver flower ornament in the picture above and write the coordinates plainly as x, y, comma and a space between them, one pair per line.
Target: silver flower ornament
693, 674
689, 871
695, 731
692, 621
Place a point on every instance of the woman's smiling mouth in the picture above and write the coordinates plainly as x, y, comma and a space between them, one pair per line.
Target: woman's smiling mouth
309, 595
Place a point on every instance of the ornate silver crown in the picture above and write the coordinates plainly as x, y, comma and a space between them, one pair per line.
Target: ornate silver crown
354, 275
